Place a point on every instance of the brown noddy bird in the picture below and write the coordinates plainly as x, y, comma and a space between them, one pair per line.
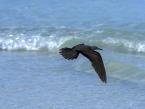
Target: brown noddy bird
90, 53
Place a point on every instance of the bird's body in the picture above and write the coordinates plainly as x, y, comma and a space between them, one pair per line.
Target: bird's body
87, 51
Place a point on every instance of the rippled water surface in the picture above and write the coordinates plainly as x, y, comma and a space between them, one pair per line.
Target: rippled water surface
34, 75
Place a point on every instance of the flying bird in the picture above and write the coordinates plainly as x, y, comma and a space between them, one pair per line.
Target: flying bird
90, 53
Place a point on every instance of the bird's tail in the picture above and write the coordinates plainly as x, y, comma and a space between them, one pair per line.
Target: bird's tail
68, 53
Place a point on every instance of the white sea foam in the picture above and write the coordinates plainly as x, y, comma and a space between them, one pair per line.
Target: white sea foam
51, 39
128, 45
53, 43
33, 43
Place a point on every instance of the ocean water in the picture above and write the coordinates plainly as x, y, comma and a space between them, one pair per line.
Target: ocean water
34, 75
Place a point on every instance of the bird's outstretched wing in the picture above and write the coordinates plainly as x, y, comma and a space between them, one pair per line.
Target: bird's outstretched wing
68, 53
97, 63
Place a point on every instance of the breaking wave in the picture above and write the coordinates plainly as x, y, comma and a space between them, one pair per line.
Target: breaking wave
51, 39
33, 43
118, 65
125, 45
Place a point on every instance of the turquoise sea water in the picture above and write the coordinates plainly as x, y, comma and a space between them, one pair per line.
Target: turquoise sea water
34, 75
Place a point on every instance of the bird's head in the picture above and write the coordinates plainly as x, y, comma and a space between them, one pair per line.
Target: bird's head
95, 48
99, 48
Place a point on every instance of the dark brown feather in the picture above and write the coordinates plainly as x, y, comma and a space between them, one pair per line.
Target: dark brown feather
87, 51
97, 63
68, 53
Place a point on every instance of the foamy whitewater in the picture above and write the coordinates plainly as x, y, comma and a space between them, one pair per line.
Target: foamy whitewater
34, 76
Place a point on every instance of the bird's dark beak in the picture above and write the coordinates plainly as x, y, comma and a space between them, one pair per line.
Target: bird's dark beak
98, 48
95, 48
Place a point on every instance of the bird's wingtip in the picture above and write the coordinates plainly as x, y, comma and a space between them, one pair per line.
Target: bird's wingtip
104, 81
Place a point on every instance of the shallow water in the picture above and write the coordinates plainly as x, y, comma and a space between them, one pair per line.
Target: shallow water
34, 75
40, 81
